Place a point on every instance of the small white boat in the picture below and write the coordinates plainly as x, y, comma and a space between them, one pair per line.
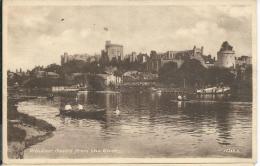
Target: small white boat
223, 90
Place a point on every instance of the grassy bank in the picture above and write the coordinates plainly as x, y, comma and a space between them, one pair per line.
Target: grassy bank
24, 130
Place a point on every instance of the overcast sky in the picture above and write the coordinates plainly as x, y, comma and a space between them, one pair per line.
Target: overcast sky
38, 36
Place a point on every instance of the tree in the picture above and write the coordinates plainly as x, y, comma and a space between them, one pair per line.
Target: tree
93, 67
104, 60
248, 72
193, 72
216, 75
74, 66
114, 62
54, 68
168, 73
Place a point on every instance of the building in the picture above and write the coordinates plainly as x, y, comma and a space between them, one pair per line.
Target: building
110, 79
113, 51
132, 57
157, 60
52, 75
141, 58
154, 62
226, 56
209, 61
44, 74
65, 58
40, 74
243, 60
136, 76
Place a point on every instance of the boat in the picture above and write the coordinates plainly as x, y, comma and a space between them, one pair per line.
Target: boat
153, 89
159, 91
88, 114
214, 90
182, 98
223, 90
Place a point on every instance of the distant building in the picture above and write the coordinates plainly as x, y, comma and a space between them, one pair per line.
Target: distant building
131, 76
135, 76
65, 58
113, 50
243, 60
154, 62
132, 57
142, 58
157, 60
52, 75
44, 74
110, 79
40, 74
226, 56
209, 61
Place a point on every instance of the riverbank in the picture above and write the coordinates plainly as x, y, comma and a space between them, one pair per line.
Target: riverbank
24, 130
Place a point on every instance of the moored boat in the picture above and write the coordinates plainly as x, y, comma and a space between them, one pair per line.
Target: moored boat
88, 114
214, 90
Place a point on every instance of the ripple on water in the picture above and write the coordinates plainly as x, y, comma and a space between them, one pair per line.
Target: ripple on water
144, 119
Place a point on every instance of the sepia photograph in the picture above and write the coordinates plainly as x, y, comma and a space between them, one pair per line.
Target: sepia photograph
129, 80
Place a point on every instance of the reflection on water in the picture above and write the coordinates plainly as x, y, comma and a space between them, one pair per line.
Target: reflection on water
149, 125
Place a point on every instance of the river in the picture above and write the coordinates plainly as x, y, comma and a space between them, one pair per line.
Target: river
149, 125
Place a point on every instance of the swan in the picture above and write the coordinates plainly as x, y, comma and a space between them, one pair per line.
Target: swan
117, 110
179, 97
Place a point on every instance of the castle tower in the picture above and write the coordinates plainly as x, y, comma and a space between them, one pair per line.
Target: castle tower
64, 58
226, 56
114, 50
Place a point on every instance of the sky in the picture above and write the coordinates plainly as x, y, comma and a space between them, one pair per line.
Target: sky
39, 35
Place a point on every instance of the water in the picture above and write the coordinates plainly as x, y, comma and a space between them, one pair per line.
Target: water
149, 125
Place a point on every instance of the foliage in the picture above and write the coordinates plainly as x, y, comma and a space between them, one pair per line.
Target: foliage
42, 82
194, 74
77, 66
95, 82
168, 73
53, 68
217, 75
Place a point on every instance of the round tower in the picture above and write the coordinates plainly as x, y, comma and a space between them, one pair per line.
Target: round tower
226, 56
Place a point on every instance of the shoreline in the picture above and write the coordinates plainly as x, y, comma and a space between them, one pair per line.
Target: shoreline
24, 130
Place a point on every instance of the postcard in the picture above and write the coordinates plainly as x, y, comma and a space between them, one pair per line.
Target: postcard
129, 82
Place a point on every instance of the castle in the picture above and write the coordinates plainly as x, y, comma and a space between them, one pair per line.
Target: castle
65, 58
157, 60
113, 50
225, 57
